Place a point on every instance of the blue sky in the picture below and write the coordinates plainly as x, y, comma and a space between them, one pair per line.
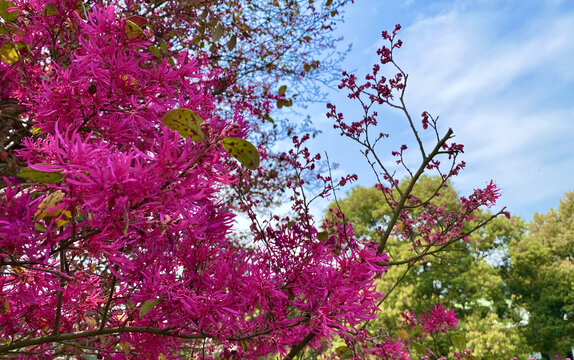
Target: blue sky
500, 73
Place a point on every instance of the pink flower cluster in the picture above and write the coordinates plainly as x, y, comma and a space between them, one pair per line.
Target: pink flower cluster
128, 253
437, 320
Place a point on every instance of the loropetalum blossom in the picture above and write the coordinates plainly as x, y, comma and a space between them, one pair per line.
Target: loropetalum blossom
438, 320
129, 254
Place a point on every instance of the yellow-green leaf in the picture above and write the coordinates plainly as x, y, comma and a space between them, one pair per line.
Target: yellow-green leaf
147, 306
155, 51
232, 43
8, 53
282, 90
8, 16
185, 122
4, 305
133, 31
163, 46
217, 33
403, 334
419, 347
40, 176
458, 341
49, 209
268, 118
470, 357
49, 10
243, 151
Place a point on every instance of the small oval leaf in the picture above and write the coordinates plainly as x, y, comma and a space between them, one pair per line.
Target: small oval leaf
217, 33
458, 341
49, 10
232, 43
282, 90
8, 53
4, 14
243, 151
49, 207
185, 122
133, 31
147, 306
39, 176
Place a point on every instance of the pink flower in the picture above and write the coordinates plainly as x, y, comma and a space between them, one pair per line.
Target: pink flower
438, 320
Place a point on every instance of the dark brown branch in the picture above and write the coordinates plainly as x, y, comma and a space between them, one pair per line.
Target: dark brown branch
409, 189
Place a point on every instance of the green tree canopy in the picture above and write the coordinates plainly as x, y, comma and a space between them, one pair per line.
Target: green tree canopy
541, 277
465, 276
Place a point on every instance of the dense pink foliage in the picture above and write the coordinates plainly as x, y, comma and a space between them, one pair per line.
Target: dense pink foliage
142, 248
131, 253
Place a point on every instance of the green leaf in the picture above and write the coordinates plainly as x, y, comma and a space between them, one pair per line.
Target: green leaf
8, 16
49, 10
329, 2
147, 306
419, 347
243, 151
281, 103
470, 357
282, 90
217, 33
232, 43
185, 122
40, 176
323, 236
459, 341
163, 46
133, 31
154, 50
268, 118
8, 53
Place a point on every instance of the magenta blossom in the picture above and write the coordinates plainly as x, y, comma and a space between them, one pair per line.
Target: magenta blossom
438, 320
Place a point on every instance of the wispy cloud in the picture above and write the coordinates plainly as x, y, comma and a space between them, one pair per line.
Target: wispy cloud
500, 83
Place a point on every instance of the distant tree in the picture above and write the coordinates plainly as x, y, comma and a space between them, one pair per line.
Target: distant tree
461, 277
541, 277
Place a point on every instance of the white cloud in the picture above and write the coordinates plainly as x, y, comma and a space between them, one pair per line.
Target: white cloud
500, 83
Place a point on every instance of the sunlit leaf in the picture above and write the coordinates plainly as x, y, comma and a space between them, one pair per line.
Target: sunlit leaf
419, 347
185, 122
470, 357
8, 53
458, 341
40, 176
217, 33
49, 206
163, 46
232, 43
243, 151
403, 334
49, 10
147, 306
268, 118
4, 14
4, 305
155, 51
344, 352
133, 31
